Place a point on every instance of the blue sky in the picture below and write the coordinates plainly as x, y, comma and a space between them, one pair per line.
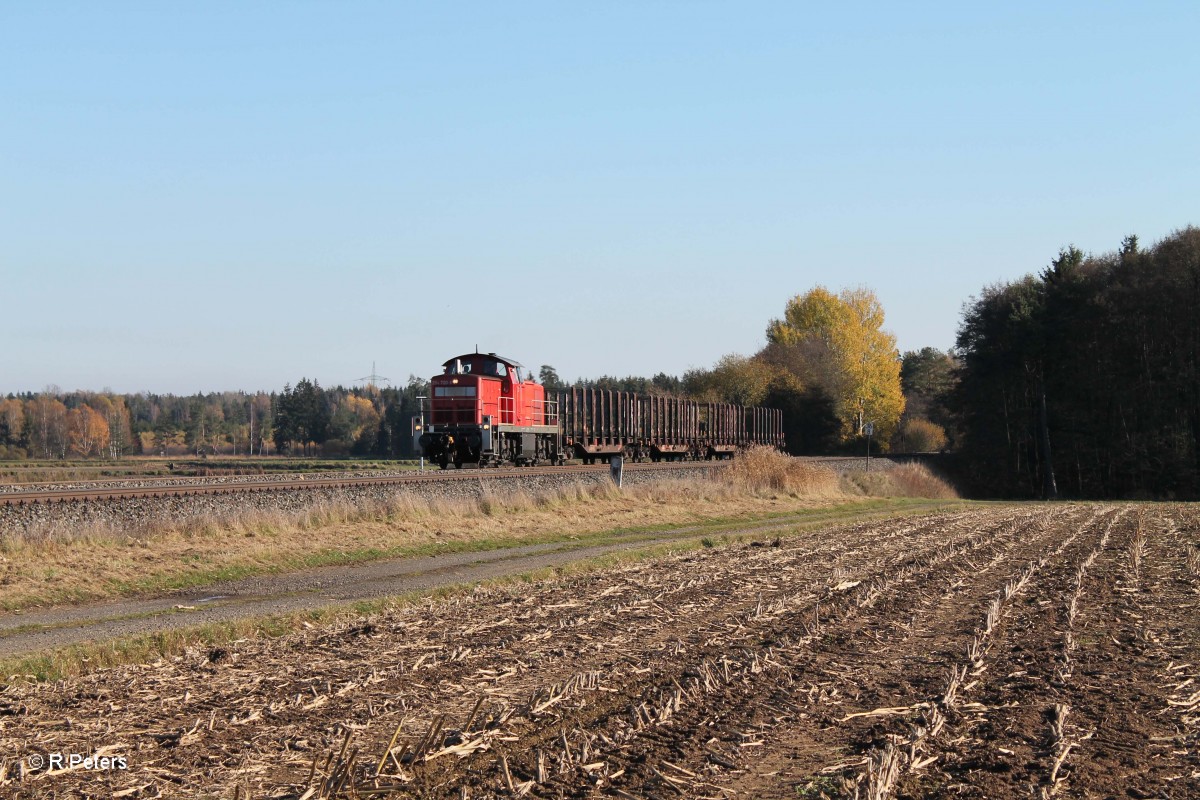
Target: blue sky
234, 195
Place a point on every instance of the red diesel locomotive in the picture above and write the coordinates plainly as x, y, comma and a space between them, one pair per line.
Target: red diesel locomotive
485, 410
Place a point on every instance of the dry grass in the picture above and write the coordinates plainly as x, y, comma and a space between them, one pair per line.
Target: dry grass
903, 480
764, 469
916, 480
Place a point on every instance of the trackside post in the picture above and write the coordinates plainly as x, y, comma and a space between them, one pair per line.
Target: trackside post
617, 465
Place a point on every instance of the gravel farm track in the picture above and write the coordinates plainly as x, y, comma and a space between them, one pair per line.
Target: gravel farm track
991, 652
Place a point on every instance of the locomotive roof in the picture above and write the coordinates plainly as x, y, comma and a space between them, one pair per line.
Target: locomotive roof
502, 359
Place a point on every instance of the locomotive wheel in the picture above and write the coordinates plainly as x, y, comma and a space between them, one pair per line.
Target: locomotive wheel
458, 464
443, 462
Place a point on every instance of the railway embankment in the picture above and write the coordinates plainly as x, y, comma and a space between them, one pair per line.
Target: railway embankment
144, 505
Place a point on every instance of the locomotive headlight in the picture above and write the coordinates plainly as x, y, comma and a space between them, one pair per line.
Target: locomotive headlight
454, 380
485, 427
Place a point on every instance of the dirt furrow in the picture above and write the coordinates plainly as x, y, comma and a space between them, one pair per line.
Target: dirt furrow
980, 717
1137, 660
888, 660
909, 676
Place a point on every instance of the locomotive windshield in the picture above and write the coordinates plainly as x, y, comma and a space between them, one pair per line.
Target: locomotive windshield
481, 365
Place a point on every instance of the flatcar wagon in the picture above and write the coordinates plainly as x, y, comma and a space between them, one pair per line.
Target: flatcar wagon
598, 424
485, 410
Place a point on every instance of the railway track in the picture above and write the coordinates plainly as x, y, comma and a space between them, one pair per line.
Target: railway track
53, 493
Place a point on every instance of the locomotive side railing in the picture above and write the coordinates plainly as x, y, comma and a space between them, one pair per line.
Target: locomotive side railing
549, 411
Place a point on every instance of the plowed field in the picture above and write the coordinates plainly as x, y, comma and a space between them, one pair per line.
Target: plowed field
1024, 651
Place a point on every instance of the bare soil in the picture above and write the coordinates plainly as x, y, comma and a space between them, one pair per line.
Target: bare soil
1033, 651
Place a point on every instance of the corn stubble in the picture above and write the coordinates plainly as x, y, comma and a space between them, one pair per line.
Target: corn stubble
884, 659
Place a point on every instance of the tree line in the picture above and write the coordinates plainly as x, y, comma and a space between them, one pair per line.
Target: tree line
304, 420
1084, 380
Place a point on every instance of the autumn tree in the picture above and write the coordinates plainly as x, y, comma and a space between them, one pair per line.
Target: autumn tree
842, 340
919, 435
113, 409
12, 424
88, 431
354, 424
48, 424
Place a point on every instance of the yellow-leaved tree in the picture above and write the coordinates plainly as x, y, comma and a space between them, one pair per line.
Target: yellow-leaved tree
850, 353
362, 414
88, 431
